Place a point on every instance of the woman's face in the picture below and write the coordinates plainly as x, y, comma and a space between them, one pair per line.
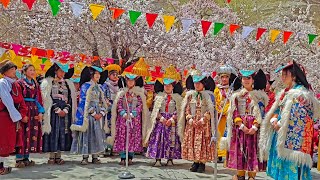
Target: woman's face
114, 77
286, 78
11, 73
60, 73
131, 83
96, 76
224, 80
198, 86
30, 72
247, 82
168, 88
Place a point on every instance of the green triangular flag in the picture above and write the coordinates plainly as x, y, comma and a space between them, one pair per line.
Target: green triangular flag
134, 15
44, 60
217, 28
312, 37
55, 6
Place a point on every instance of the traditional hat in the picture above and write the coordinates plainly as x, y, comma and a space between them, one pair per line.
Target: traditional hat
226, 70
247, 73
196, 76
260, 79
172, 73
89, 70
64, 67
171, 76
141, 68
298, 70
75, 80
113, 68
5, 65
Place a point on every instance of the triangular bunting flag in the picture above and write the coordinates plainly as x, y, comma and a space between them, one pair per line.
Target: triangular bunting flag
168, 22
44, 60
186, 23
228, 1
42, 66
274, 34
29, 3
205, 26
77, 8
260, 32
2, 50
16, 48
117, 12
246, 31
286, 36
233, 28
312, 37
5, 3
151, 18
134, 15
96, 9
55, 6
217, 28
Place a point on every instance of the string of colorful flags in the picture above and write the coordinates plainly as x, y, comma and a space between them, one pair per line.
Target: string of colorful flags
96, 10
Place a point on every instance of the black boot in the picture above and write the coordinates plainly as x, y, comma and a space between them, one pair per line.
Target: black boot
194, 167
202, 168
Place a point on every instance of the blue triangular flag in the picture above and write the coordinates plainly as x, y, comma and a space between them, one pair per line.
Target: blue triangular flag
246, 31
77, 8
186, 23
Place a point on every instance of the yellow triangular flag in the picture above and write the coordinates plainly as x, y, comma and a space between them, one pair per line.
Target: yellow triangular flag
168, 22
96, 9
274, 34
12, 54
34, 59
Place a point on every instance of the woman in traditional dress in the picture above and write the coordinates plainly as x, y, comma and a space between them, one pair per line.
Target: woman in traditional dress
60, 102
244, 118
111, 88
12, 110
30, 133
196, 123
129, 107
226, 75
286, 136
89, 135
162, 139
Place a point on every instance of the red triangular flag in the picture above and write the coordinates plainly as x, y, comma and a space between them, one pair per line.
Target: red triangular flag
286, 36
5, 3
50, 53
42, 66
260, 33
29, 3
117, 12
233, 28
151, 18
205, 26
229, 1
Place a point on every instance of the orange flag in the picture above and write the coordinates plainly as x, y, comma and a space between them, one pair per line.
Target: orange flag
233, 28
117, 12
5, 3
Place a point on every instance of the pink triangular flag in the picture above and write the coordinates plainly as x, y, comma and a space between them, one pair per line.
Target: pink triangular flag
42, 66
16, 48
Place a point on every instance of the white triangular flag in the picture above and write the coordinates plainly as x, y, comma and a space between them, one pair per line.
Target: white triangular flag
77, 8
246, 31
186, 23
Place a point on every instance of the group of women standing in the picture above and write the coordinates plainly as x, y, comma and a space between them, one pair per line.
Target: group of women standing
233, 116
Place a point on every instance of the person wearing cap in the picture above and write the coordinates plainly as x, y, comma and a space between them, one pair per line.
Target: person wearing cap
129, 105
162, 138
60, 106
245, 115
76, 83
222, 102
88, 129
12, 111
30, 132
111, 88
196, 123
288, 127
